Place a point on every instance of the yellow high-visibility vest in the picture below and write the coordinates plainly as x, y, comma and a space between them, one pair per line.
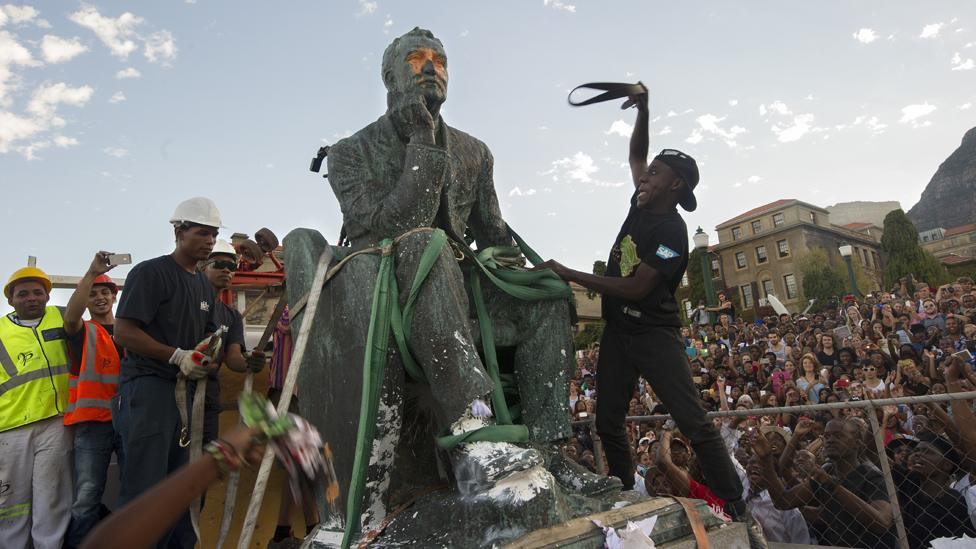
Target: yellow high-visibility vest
33, 370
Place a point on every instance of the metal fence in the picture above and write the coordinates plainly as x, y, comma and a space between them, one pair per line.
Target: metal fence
887, 473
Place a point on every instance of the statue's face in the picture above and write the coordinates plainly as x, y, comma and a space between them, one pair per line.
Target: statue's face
421, 65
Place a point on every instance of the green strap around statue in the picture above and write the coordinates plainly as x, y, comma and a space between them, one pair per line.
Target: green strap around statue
385, 315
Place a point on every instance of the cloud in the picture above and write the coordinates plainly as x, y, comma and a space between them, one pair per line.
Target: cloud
19, 14
621, 128
64, 141
559, 5
733, 102
59, 50
710, 124
695, 137
754, 179
871, 123
931, 30
776, 107
160, 47
130, 72
117, 34
801, 125
865, 36
117, 97
965, 106
959, 65
12, 53
911, 114
388, 24
518, 192
366, 8
665, 130
47, 97
15, 128
579, 168
117, 152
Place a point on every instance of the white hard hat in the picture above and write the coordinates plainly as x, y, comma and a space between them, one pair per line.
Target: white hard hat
199, 210
223, 247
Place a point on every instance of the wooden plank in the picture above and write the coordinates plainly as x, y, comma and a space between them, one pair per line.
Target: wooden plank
583, 527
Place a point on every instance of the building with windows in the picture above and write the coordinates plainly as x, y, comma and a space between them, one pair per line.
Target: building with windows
951, 246
756, 251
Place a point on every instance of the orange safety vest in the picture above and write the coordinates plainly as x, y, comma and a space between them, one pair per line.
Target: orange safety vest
90, 392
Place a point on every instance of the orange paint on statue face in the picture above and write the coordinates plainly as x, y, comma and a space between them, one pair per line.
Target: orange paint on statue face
419, 57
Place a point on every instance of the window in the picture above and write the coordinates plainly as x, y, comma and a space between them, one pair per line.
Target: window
778, 219
757, 226
784, 247
746, 295
813, 218
761, 254
864, 257
716, 268
925, 238
790, 282
736, 233
877, 260
688, 309
767, 286
740, 260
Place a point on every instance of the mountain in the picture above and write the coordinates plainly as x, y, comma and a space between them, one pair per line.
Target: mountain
949, 200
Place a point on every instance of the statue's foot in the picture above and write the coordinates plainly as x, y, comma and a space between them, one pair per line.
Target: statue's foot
574, 476
478, 466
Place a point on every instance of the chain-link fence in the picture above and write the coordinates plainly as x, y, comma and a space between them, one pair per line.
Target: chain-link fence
879, 473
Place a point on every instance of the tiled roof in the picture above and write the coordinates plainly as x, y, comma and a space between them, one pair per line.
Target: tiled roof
856, 225
962, 229
953, 259
756, 211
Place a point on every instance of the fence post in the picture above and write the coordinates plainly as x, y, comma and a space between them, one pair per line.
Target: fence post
878, 435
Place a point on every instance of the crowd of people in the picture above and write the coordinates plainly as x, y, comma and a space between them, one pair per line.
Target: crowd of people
74, 392
910, 341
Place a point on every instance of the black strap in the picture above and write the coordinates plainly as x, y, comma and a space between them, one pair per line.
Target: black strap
612, 90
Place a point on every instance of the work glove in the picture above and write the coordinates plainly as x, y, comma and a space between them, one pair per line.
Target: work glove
255, 361
193, 364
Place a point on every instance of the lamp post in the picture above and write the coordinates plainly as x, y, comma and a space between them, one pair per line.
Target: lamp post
846, 251
701, 244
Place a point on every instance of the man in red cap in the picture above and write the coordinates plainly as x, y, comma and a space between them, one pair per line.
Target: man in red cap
92, 382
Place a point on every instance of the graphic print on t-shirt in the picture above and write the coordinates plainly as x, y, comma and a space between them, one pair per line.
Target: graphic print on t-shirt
629, 260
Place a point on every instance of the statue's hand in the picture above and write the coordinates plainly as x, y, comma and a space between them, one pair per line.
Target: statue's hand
410, 112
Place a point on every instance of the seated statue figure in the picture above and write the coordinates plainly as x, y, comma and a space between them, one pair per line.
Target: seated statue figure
409, 171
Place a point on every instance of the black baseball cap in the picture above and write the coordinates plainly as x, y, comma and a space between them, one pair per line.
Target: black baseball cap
687, 169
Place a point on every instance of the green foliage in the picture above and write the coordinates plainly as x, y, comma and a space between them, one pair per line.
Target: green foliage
599, 269
590, 334
821, 279
903, 254
695, 291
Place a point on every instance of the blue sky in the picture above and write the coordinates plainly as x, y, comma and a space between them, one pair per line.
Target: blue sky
111, 113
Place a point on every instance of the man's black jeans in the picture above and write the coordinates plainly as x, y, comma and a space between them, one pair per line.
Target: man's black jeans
659, 356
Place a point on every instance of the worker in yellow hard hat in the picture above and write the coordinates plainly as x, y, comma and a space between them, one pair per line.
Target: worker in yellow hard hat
35, 446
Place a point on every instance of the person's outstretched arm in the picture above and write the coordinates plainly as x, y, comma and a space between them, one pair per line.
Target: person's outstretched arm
144, 520
639, 141
78, 301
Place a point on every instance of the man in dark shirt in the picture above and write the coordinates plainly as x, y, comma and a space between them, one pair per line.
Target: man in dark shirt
220, 268
163, 318
641, 337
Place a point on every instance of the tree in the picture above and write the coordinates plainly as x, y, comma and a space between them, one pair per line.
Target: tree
822, 280
695, 291
599, 269
590, 334
903, 255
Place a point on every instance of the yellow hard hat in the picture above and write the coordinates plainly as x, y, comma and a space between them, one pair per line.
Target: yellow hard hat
25, 273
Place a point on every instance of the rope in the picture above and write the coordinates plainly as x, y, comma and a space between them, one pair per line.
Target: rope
192, 435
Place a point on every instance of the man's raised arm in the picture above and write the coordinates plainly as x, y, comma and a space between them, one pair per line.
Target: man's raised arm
639, 141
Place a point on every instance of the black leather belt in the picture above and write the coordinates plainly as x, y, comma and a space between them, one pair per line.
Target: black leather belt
611, 91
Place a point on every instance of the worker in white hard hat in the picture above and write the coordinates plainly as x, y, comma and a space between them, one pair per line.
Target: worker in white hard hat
163, 319
220, 268
35, 446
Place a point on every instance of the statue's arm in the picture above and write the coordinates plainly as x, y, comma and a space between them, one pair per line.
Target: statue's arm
413, 200
486, 222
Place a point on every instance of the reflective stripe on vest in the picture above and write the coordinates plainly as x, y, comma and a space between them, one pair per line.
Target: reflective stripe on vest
33, 370
91, 391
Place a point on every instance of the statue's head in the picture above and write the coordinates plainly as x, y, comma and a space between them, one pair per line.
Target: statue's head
416, 61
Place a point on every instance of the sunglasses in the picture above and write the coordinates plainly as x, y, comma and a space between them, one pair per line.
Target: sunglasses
674, 152
223, 264
867, 369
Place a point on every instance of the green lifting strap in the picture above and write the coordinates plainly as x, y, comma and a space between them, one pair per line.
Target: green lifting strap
385, 315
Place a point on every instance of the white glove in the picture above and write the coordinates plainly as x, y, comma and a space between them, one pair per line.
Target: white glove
193, 364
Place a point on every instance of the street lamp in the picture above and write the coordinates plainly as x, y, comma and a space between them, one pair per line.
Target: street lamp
846, 251
701, 244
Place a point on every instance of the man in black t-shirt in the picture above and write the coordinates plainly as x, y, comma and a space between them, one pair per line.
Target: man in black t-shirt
163, 318
641, 336
219, 269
